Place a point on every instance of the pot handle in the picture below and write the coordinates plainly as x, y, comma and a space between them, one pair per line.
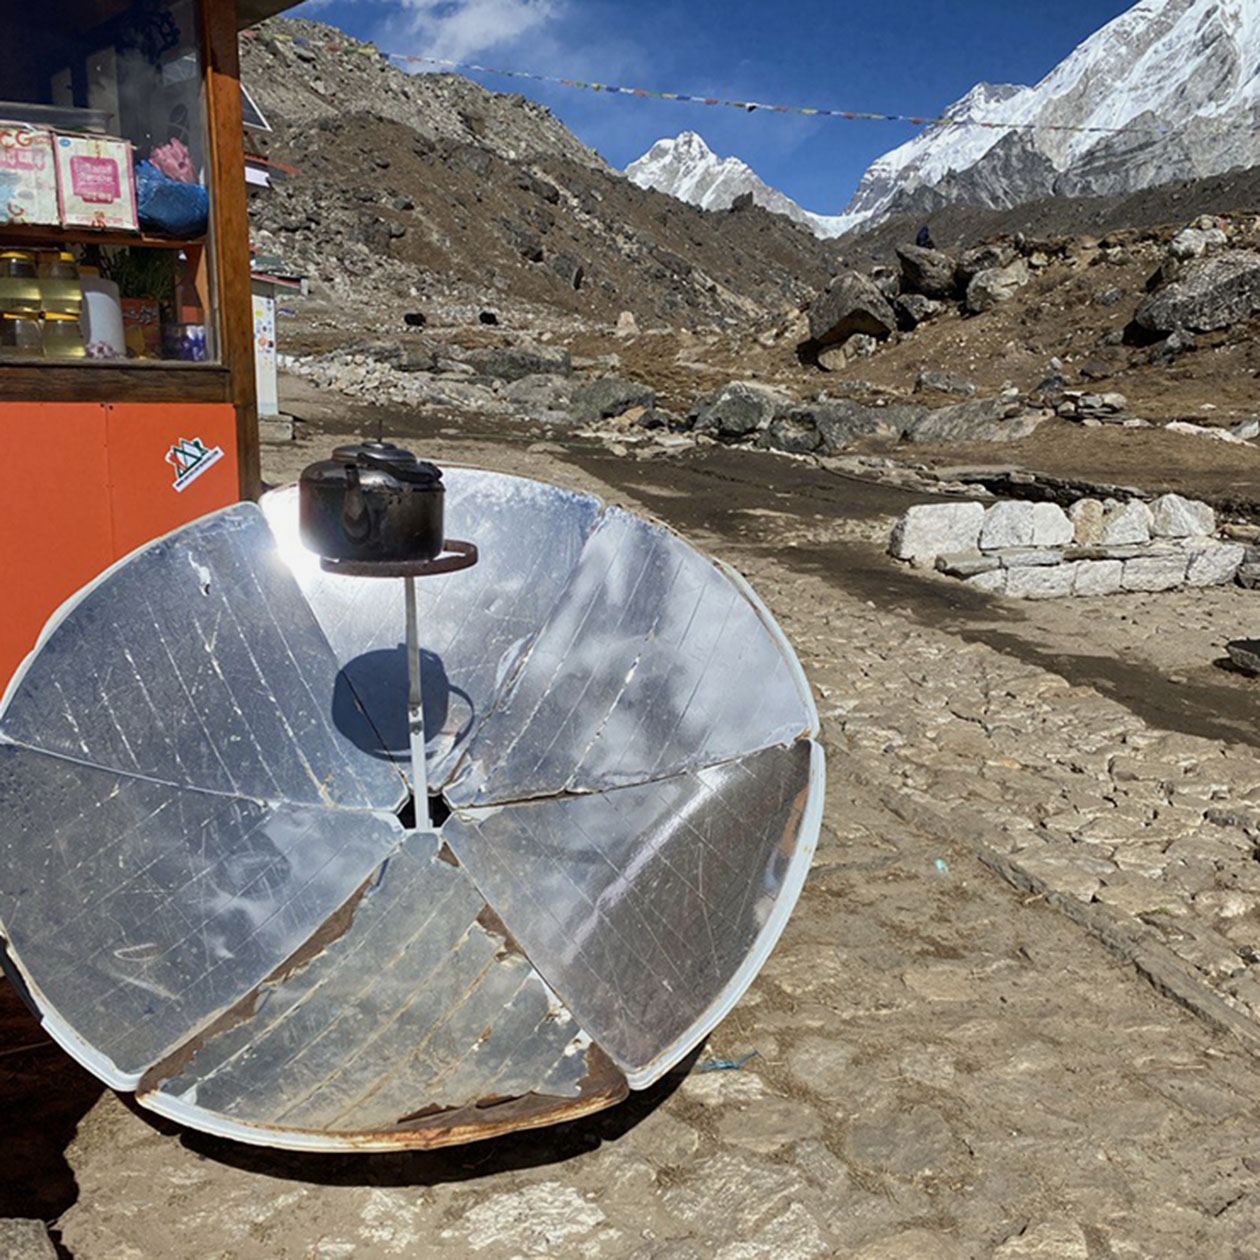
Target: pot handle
354, 512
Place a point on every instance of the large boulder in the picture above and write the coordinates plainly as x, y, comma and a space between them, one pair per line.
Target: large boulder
914, 309
1209, 294
796, 434
991, 256
999, 284
514, 363
850, 304
842, 422
927, 271
976, 420
610, 396
738, 409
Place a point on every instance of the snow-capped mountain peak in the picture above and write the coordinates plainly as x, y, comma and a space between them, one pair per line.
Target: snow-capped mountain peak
685, 167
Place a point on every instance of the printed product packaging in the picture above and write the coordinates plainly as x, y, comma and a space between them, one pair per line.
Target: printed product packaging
97, 182
28, 176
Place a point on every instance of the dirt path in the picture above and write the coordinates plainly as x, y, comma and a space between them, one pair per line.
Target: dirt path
944, 1068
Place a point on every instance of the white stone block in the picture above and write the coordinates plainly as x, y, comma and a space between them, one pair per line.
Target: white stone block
1175, 517
991, 583
1097, 577
1086, 516
1040, 583
1154, 573
1216, 564
1007, 524
1126, 523
929, 530
1051, 527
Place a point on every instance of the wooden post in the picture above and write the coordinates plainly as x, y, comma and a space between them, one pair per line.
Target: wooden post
230, 225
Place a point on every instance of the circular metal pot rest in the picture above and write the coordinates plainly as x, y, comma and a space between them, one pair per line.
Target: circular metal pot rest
208, 896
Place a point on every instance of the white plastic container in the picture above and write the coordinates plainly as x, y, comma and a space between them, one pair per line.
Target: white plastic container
102, 317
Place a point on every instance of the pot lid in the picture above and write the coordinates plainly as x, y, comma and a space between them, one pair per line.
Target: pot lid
385, 457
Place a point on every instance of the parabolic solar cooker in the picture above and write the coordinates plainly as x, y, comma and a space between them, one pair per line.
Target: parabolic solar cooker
217, 890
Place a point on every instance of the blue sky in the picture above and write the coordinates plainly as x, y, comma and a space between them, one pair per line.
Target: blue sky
903, 58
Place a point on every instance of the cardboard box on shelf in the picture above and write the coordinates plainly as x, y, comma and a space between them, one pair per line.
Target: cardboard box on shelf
96, 180
28, 176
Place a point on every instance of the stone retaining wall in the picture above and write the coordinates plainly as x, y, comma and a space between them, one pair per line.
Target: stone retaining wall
1097, 547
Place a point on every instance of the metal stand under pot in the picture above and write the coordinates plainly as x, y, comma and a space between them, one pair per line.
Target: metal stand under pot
376, 511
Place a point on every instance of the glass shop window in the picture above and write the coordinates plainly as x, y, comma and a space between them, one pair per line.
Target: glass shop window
104, 184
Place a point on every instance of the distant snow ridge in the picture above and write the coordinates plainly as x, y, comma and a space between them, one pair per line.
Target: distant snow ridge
686, 168
1191, 66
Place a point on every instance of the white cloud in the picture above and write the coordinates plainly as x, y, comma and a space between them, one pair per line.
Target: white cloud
460, 29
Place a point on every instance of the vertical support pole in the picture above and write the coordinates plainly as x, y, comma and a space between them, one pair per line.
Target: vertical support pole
415, 712
229, 212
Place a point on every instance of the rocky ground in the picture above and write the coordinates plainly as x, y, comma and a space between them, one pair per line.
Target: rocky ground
1038, 819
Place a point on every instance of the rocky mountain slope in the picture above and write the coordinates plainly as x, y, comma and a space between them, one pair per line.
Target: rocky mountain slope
429, 194
685, 167
1185, 73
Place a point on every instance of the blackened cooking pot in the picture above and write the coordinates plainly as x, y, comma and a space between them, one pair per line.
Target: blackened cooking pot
372, 501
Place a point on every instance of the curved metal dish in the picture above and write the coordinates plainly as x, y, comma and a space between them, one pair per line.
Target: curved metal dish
207, 896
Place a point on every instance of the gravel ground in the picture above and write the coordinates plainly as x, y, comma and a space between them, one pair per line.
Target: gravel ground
947, 1066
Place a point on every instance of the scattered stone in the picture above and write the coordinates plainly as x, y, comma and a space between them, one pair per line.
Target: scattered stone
1211, 293
1110, 296
1126, 523
1156, 573
1193, 242
415, 319
913, 309
1245, 653
932, 529
1173, 516
850, 304
794, 433
1097, 577
739, 408
627, 325
836, 357
944, 383
927, 271
990, 288
992, 256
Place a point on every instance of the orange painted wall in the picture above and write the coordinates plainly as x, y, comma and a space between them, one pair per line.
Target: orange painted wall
83, 484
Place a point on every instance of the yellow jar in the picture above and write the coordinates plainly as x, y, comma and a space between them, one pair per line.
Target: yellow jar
60, 288
21, 336
19, 288
63, 337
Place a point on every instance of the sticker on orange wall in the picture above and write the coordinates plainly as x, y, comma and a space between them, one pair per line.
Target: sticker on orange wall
190, 457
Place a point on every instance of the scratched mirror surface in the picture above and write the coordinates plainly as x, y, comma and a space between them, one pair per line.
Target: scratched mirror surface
206, 891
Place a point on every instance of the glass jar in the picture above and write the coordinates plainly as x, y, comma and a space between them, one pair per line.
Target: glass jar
63, 336
61, 291
19, 290
21, 336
